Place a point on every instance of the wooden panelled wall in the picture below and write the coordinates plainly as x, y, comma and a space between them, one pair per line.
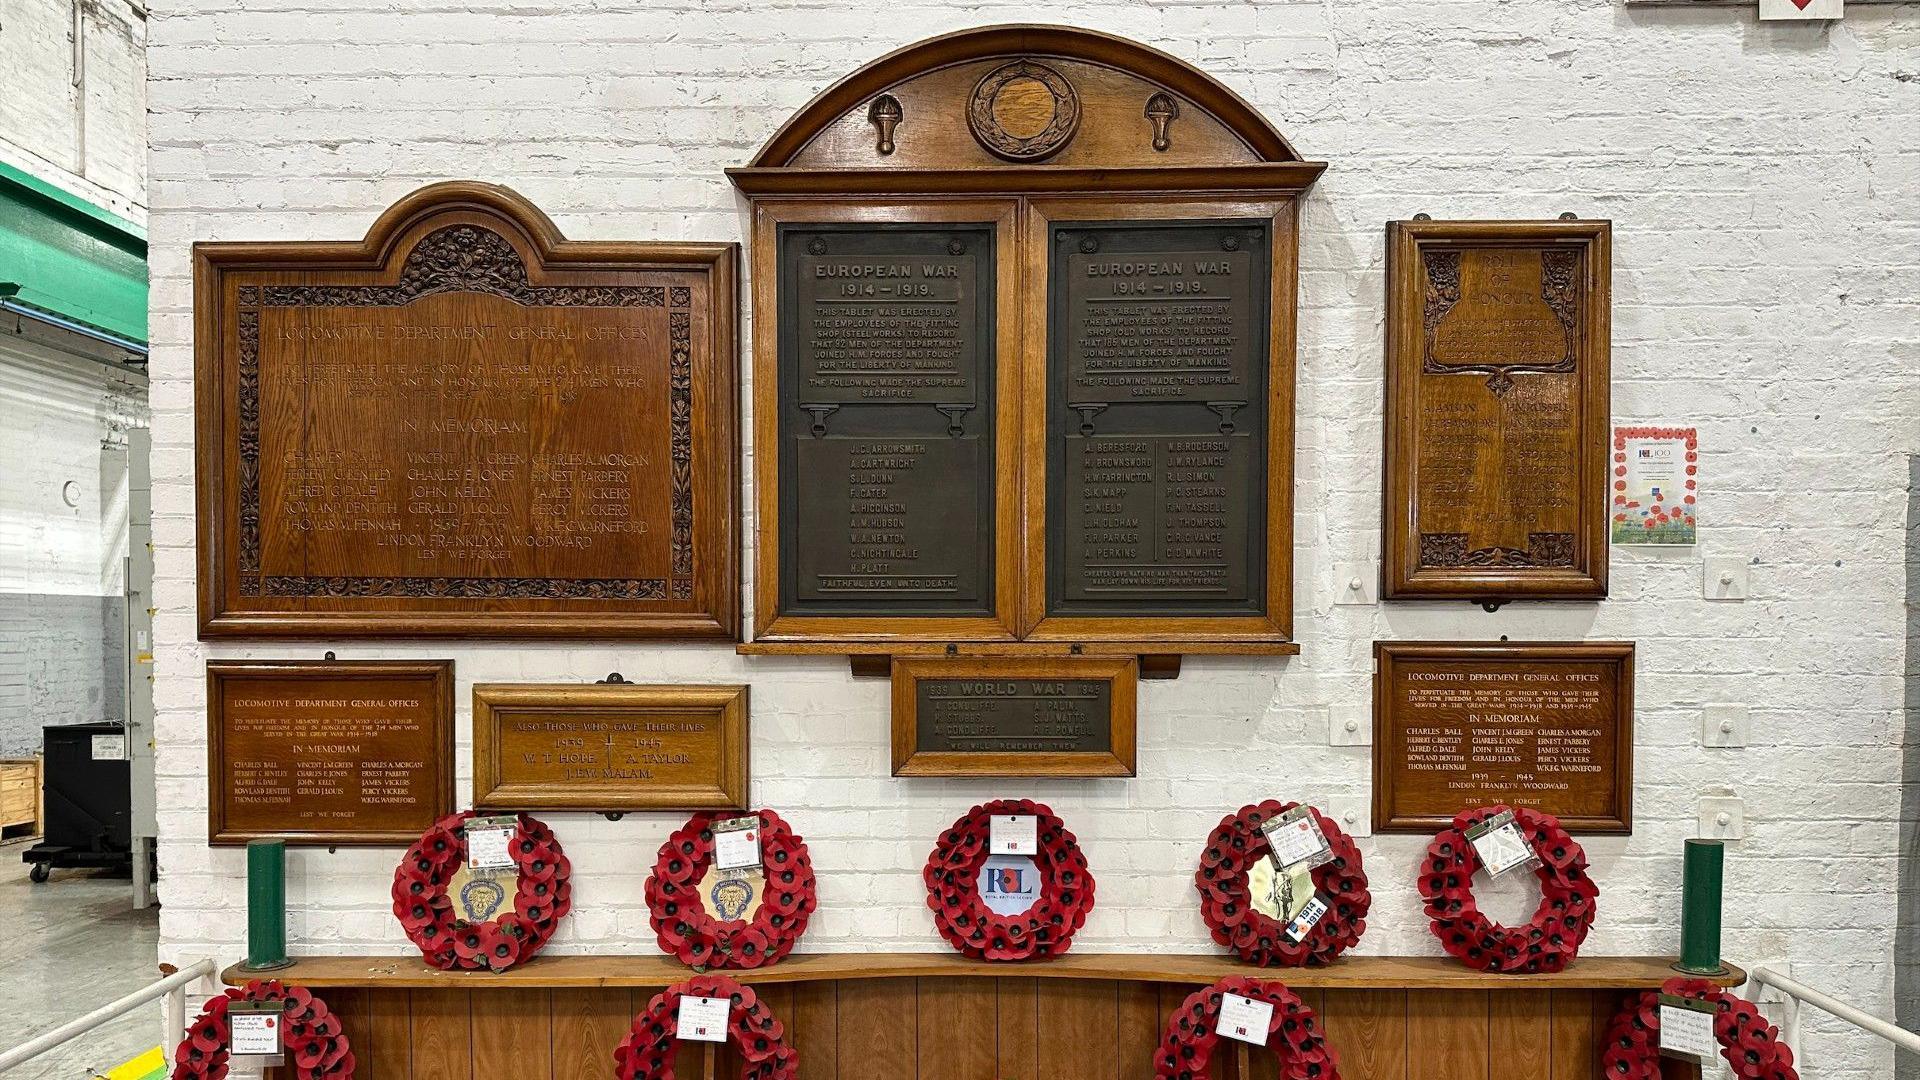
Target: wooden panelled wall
984, 1028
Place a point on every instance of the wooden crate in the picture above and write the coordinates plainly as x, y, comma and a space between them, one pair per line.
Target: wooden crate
891, 1016
20, 814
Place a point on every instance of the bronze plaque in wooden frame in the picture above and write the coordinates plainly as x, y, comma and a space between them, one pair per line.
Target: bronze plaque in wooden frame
1497, 409
1160, 160
465, 425
1458, 725
1014, 716
609, 747
328, 752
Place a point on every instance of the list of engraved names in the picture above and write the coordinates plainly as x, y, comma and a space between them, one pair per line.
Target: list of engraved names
465, 436
1012, 716
1527, 737
297, 761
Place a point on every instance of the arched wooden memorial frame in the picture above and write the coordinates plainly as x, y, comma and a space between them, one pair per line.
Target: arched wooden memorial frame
994, 147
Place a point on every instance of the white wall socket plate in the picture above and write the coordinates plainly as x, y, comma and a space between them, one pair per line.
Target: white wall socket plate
1356, 583
1723, 817
1353, 813
1350, 725
1724, 577
1725, 726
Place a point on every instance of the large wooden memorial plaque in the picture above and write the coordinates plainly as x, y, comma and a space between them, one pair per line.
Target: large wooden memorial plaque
467, 426
609, 747
328, 752
1497, 409
1546, 726
1007, 716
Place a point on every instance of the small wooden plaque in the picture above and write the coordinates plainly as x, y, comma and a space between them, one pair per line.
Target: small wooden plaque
328, 752
609, 747
465, 425
1014, 716
1547, 726
1497, 409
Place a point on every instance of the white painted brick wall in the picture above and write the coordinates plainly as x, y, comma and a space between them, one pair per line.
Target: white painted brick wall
1765, 187
88, 135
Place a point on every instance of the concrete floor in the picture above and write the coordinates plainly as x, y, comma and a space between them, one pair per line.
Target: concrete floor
67, 947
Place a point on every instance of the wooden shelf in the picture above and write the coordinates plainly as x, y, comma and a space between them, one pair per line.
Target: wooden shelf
1352, 973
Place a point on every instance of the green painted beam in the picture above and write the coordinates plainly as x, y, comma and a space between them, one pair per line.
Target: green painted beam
66, 256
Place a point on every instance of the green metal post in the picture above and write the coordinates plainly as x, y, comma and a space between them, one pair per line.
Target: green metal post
266, 905
1700, 908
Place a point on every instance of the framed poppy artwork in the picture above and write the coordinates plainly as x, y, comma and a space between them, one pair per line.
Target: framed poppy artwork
1655, 485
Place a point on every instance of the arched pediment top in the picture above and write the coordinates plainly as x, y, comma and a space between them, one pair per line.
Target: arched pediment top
1032, 97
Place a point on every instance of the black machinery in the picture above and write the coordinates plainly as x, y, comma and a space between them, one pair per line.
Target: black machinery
89, 799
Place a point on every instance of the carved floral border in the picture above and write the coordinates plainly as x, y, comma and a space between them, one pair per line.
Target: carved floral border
1558, 269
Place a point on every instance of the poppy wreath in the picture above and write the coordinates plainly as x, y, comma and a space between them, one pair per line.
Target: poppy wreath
1750, 1044
1293, 1034
544, 894
1226, 902
310, 1035
1046, 928
648, 1051
1567, 898
681, 923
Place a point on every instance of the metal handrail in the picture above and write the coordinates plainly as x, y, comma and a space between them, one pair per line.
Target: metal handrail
173, 988
1900, 1037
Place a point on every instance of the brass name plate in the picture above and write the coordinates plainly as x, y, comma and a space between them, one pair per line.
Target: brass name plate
887, 474
323, 752
609, 747
1002, 716
1157, 427
1546, 726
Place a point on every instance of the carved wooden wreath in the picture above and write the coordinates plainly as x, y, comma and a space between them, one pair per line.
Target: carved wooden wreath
310, 1035
649, 1049
1062, 117
1226, 900
1567, 898
542, 896
1293, 1035
1750, 1044
681, 922
1064, 889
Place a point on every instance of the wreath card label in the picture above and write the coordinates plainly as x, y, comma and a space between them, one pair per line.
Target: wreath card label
255, 1029
1244, 1018
702, 1019
736, 843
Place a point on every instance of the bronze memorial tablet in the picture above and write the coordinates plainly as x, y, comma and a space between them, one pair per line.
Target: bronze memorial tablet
886, 420
1157, 423
1005, 716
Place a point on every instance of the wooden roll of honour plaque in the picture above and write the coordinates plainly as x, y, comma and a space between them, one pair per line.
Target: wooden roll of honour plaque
1497, 410
1457, 725
1024, 357
329, 752
610, 747
465, 425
